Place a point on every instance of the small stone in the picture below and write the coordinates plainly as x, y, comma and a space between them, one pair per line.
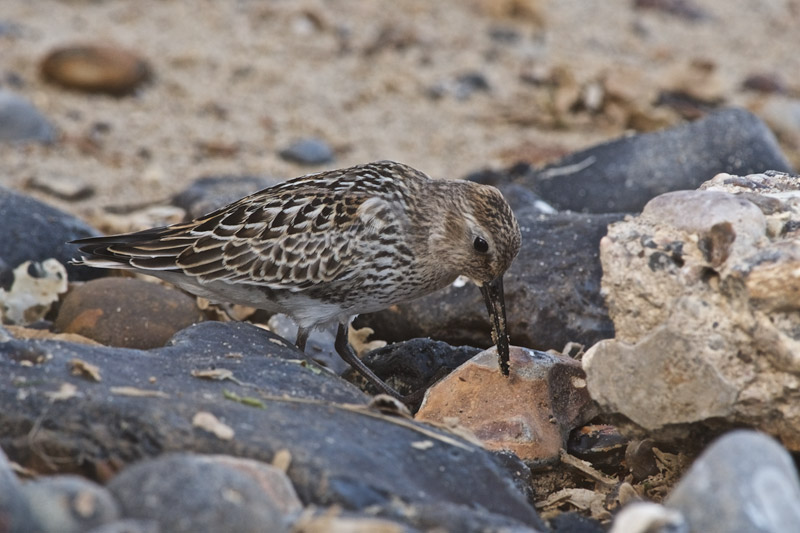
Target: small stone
600, 444
70, 503
641, 459
128, 313
765, 82
478, 397
310, 151
20, 121
209, 193
648, 517
198, 494
744, 482
462, 87
95, 68
685, 9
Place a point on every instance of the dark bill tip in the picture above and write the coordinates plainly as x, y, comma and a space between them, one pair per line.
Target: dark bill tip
496, 305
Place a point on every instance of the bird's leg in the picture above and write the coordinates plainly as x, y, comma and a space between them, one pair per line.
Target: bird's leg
346, 352
302, 337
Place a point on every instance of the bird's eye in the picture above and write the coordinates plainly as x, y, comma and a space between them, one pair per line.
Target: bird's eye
480, 245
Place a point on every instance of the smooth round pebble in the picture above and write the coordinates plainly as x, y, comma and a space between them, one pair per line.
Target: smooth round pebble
128, 313
311, 151
95, 68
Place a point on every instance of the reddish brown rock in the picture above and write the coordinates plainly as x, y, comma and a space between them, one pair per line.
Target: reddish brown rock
128, 313
95, 68
529, 413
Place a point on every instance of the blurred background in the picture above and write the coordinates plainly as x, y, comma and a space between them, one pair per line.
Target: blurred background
138, 99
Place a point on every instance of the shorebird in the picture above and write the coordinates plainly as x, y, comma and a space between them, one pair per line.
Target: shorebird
325, 247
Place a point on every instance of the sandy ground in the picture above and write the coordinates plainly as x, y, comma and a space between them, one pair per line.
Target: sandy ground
256, 75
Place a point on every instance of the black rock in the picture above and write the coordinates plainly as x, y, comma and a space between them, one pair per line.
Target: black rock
34, 230
624, 174
209, 193
412, 365
745, 481
195, 495
342, 452
552, 292
70, 503
311, 151
20, 121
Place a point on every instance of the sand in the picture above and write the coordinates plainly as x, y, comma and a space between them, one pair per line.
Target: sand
252, 76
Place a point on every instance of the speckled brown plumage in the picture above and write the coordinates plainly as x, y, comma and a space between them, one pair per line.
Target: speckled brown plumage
328, 246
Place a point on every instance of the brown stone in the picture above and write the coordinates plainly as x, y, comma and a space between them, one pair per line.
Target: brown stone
128, 313
529, 413
95, 68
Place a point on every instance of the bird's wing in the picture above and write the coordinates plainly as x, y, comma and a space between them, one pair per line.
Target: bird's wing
302, 233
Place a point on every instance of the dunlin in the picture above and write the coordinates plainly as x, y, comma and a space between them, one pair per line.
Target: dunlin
325, 247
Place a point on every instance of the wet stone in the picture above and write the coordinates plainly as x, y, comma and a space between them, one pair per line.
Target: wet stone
95, 68
412, 365
209, 193
20, 121
624, 174
481, 399
70, 503
128, 313
196, 494
310, 151
552, 292
32, 230
744, 482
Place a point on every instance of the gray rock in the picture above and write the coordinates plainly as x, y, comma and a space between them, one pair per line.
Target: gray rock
699, 276
15, 513
21, 121
209, 193
69, 503
745, 482
624, 174
34, 230
264, 400
188, 493
552, 292
310, 151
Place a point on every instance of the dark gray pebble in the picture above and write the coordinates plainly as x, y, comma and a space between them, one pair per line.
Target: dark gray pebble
310, 151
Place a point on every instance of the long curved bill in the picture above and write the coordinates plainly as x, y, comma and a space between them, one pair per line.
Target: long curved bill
496, 305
